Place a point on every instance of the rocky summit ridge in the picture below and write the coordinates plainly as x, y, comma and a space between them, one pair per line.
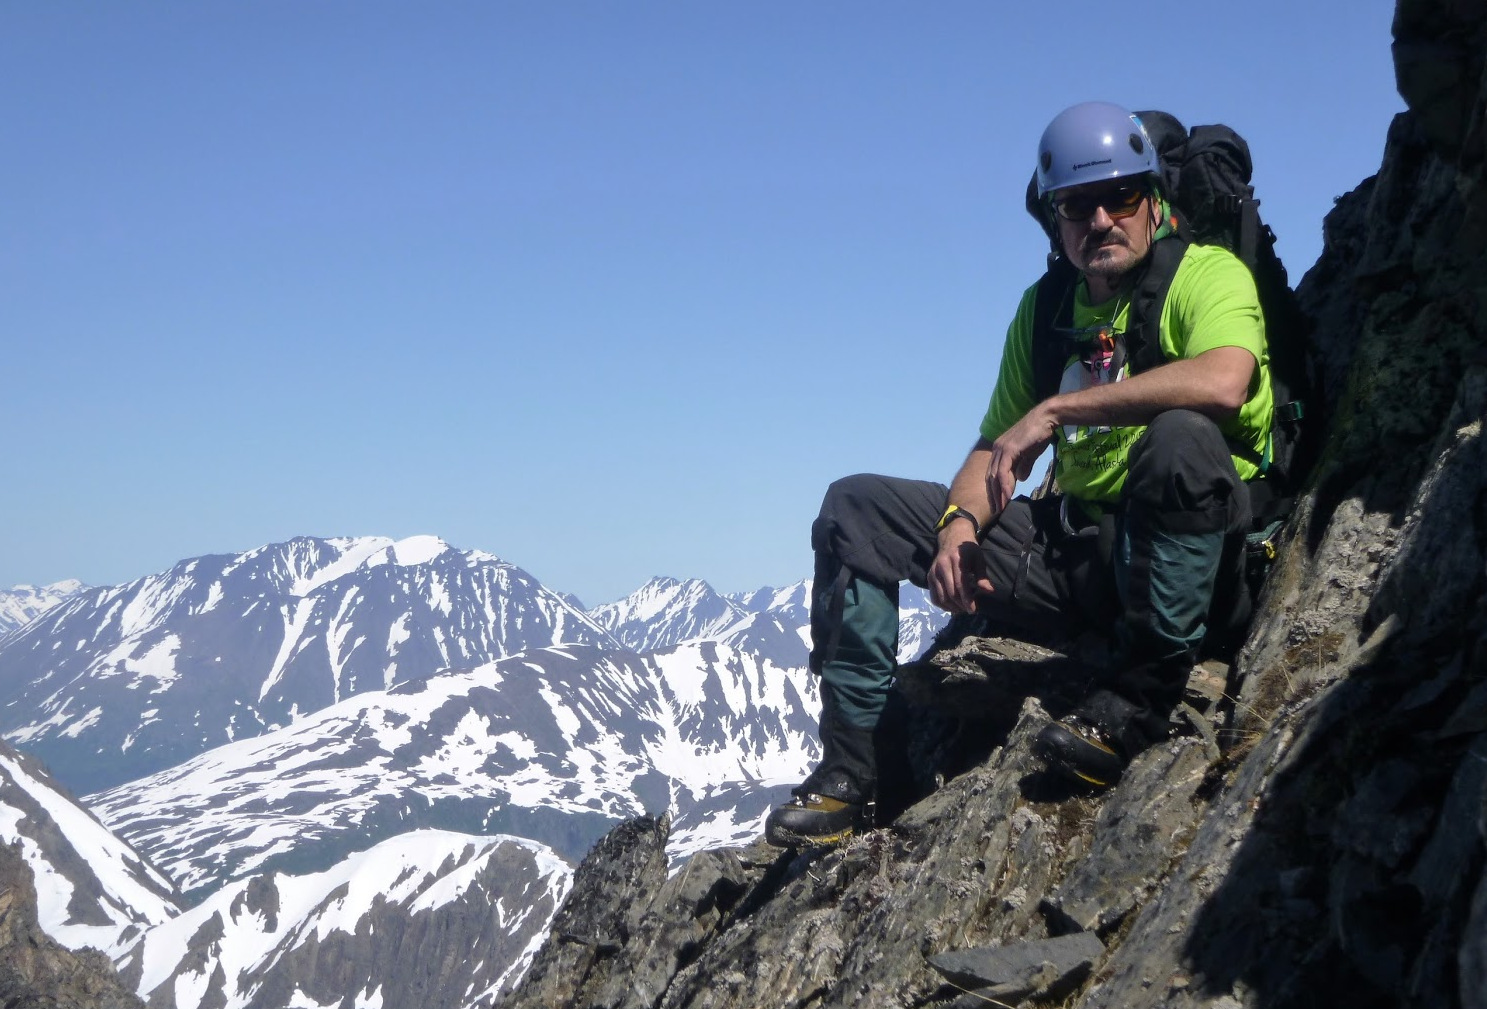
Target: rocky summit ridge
1314, 838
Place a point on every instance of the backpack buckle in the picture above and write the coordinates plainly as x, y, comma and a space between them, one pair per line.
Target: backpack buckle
1291, 412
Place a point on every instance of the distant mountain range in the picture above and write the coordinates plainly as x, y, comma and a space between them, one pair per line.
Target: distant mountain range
665, 611
557, 745
286, 733
22, 604
117, 683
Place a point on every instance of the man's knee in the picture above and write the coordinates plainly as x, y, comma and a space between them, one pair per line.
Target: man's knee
847, 512
851, 494
1180, 440
1181, 466
879, 525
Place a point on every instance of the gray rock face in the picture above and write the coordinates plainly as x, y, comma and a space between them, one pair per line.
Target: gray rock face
976, 863
593, 928
1325, 843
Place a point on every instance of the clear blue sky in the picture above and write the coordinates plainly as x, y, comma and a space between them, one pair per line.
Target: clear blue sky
607, 289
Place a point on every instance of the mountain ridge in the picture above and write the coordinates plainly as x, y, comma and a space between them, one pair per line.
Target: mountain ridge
552, 743
227, 646
553, 738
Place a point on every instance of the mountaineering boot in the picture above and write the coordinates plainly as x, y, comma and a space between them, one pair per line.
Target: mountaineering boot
1104, 733
814, 820
836, 800
1080, 751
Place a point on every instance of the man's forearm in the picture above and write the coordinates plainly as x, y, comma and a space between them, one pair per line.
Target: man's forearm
968, 488
1215, 384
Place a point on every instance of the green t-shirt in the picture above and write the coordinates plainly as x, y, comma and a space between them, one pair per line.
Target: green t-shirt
1211, 303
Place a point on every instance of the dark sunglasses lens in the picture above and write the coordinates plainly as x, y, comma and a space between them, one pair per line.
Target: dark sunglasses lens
1076, 208
1122, 202
1118, 203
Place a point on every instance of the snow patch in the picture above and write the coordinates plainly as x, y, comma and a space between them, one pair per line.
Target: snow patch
356, 553
417, 550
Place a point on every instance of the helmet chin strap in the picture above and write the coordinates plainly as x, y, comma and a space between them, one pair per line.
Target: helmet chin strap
1163, 225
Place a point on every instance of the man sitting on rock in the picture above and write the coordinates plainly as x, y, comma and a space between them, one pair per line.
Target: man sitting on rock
1145, 539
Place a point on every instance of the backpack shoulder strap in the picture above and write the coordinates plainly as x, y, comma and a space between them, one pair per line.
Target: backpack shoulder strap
1053, 311
1143, 331
1143, 325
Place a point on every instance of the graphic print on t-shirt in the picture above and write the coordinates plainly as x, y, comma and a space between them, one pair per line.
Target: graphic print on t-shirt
1100, 362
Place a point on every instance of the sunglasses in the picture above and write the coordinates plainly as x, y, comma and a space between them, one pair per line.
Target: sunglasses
1121, 202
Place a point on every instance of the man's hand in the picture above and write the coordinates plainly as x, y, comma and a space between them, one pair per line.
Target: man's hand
958, 573
1015, 452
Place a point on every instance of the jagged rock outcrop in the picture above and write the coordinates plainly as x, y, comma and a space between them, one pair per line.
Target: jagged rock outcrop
1327, 846
974, 862
36, 972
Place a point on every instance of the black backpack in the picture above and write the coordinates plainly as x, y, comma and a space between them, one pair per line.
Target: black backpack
1206, 179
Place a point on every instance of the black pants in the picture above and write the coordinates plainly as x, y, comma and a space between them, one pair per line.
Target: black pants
1148, 573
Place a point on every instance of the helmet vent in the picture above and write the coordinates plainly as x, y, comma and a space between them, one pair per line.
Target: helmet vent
1136, 143
1046, 160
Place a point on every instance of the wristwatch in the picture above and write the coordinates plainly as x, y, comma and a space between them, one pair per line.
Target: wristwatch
957, 512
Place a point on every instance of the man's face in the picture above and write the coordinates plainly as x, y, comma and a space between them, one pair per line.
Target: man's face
1106, 227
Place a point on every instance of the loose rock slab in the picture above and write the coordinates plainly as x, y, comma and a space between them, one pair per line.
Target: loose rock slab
1044, 967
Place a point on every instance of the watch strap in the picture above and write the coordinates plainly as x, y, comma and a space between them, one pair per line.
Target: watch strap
954, 512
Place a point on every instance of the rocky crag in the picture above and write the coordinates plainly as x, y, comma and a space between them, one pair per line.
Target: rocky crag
1315, 838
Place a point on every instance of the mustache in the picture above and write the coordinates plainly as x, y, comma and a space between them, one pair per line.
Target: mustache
1112, 237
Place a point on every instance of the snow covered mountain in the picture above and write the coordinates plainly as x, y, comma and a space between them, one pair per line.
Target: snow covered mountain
117, 683
664, 612
426, 918
394, 923
92, 889
791, 604
919, 620
352, 751
314, 915
556, 745
24, 603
